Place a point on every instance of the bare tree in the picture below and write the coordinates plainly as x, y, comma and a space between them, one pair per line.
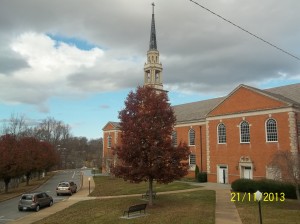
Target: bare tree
286, 167
16, 125
53, 131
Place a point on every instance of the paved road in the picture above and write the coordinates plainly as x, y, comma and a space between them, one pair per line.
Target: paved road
8, 209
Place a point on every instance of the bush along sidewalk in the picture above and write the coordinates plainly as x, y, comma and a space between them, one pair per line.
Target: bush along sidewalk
265, 185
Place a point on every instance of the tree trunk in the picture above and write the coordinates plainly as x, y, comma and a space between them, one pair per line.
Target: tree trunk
27, 178
297, 192
6, 182
150, 191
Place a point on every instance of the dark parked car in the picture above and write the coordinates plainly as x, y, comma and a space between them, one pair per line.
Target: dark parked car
66, 187
35, 201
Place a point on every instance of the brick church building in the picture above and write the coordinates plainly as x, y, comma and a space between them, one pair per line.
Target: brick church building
230, 137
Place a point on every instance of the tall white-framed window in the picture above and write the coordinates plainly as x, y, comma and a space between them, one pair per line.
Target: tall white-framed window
174, 138
192, 161
271, 130
191, 137
221, 133
244, 132
109, 141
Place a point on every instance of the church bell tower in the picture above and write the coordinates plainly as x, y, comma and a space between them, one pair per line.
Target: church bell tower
153, 68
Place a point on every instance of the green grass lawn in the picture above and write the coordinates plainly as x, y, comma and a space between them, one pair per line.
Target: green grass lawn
108, 186
184, 208
287, 212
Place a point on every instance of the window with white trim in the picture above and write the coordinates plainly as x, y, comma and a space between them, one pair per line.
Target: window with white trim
271, 130
109, 141
192, 160
191, 137
221, 133
245, 132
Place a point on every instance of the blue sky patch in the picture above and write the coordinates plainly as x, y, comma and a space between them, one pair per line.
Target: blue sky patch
73, 41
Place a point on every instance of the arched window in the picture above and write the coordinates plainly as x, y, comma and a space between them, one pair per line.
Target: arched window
245, 132
191, 137
221, 133
174, 138
271, 130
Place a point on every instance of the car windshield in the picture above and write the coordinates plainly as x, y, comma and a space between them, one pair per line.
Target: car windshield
63, 185
27, 197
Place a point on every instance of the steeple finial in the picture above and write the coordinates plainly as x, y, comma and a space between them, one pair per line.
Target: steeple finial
153, 7
153, 45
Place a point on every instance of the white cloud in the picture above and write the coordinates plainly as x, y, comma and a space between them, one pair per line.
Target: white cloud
50, 62
199, 51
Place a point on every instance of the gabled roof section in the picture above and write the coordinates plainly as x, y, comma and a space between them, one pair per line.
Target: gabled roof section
196, 111
254, 99
111, 125
289, 93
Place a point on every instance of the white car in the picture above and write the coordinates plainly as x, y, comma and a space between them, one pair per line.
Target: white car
66, 187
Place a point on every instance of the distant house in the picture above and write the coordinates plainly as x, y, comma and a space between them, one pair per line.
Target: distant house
229, 137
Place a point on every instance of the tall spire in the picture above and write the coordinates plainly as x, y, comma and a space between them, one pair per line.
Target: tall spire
153, 67
153, 45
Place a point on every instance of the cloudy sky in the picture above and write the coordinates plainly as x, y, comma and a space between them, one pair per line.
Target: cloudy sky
77, 60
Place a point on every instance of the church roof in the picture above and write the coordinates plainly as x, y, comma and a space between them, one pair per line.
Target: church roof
197, 111
289, 93
111, 125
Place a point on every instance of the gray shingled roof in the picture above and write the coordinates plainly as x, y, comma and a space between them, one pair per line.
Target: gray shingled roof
115, 124
289, 93
192, 112
197, 111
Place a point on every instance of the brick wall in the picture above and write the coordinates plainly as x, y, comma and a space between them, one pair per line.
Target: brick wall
199, 149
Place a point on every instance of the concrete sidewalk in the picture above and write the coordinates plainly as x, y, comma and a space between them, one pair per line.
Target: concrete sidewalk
225, 213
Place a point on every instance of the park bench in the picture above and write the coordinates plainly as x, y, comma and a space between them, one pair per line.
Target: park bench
146, 195
135, 208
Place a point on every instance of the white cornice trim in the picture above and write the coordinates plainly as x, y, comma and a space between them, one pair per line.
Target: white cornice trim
189, 124
254, 113
112, 130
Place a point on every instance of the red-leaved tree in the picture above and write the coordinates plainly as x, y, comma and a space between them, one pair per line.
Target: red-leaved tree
48, 156
146, 152
30, 153
9, 159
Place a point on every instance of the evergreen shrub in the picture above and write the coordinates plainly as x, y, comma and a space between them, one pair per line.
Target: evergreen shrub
264, 185
196, 172
202, 177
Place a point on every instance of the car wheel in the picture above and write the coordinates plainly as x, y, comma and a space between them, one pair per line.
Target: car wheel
20, 209
37, 208
71, 193
51, 203
57, 194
